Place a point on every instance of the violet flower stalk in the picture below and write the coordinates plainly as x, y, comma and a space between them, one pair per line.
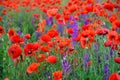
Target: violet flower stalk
60, 28
6, 27
86, 59
48, 75
106, 72
96, 47
49, 21
106, 57
37, 35
66, 67
86, 22
74, 26
111, 52
33, 21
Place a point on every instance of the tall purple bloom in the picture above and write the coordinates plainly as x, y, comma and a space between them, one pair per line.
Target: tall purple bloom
37, 35
106, 72
74, 26
6, 27
86, 60
106, 57
86, 22
96, 47
66, 67
60, 28
49, 21
111, 52
33, 20
48, 75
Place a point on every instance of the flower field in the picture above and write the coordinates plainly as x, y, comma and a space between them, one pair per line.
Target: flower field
59, 39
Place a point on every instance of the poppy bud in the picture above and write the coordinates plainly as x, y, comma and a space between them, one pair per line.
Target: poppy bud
52, 59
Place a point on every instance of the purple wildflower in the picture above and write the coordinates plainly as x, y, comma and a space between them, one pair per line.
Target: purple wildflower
60, 28
33, 20
19, 32
111, 52
96, 47
86, 59
37, 35
106, 57
66, 66
49, 21
86, 22
106, 72
48, 75
74, 26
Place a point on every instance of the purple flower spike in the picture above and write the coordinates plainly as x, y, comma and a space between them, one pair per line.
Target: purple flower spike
48, 75
106, 57
86, 59
96, 47
66, 66
111, 52
106, 72
33, 20
74, 26
38, 34
60, 28
49, 21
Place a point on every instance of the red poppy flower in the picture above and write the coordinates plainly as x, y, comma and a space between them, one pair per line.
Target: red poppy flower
99, 32
85, 34
14, 51
114, 46
57, 16
52, 33
44, 48
117, 60
113, 18
11, 32
45, 38
112, 36
66, 17
64, 43
114, 76
27, 36
36, 15
70, 30
52, 12
33, 67
52, 59
4, 12
16, 39
78, 37
89, 8
0, 18
118, 40
30, 49
1, 30
117, 24
108, 6
41, 57
102, 31
57, 75
108, 43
